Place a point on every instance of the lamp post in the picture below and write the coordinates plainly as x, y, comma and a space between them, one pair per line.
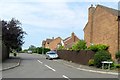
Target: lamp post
43, 50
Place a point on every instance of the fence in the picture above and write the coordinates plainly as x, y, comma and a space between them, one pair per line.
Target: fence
81, 57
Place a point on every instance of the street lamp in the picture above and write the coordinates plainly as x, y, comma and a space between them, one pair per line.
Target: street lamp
43, 50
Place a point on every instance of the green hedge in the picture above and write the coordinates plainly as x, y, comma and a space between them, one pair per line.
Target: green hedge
42, 50
91, 62
101, 56
117, 55
80, 45
98, 47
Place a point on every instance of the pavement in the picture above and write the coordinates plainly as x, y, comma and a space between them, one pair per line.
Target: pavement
90, 68
13, 62
10, 63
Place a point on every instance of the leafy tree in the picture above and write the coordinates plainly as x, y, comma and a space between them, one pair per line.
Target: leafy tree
80, 45
12, 34
32, 48
41, 50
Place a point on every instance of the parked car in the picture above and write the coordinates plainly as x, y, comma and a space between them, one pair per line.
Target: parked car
51, 55
29, 51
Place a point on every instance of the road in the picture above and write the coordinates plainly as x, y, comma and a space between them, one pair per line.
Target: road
36, 66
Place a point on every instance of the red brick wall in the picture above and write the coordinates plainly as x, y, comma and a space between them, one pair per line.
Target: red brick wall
105, 30
72, 39
54, 43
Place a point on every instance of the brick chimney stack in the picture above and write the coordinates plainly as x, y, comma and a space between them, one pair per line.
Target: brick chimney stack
90, 12
90, 20
73, 36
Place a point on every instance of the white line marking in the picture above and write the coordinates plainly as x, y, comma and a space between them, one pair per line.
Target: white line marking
39, 61
69, 65
98, 71
91, 70
50, 68
66, 77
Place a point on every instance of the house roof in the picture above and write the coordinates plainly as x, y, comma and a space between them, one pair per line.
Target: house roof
70, 45
110, 10
47, 40
66, 38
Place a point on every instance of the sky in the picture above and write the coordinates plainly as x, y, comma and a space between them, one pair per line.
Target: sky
43, 19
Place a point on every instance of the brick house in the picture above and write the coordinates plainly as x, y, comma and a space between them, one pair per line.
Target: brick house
52, 43
102, 28
69, 41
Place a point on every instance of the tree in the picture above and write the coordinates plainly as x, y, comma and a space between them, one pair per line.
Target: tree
32, 48
80, 45
12, 34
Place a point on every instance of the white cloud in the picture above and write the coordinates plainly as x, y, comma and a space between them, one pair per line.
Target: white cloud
51, 18
47, 15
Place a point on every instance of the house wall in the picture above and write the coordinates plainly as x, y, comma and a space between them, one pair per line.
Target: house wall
104, 30
72, 39
47, 45
53, 45
87, 34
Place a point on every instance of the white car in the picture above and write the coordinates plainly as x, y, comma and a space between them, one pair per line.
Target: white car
51, 55
29, 51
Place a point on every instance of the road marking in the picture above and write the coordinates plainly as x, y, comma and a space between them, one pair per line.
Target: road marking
39, 61
50, 68
66, 77
69, 65
98, 71
113, 73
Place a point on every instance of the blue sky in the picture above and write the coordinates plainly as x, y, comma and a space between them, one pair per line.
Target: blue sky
50, 18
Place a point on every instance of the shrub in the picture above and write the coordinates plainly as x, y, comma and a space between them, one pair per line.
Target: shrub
91, 62
117, 55
117, 65
60, 47
98, 47
80, 45
15, 54
101, 56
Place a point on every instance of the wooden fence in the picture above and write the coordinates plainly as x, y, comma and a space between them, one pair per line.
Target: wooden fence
81, 57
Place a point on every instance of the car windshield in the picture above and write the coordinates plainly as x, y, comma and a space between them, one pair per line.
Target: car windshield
51, 53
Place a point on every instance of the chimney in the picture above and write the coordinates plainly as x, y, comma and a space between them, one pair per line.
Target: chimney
90, 12
90, 20
73, 36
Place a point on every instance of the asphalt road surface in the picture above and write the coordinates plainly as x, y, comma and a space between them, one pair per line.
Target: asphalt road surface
36, 66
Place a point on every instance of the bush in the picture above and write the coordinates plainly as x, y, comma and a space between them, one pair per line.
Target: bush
98, 47
117, 65
117, 55
80, 45
15, 54
41, 50
101, 56
61, 47
91, 62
